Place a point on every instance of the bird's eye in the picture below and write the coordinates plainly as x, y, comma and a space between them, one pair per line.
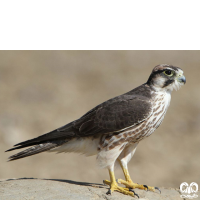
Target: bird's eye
168, 72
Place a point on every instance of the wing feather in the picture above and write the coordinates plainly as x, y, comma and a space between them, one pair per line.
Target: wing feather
113, 115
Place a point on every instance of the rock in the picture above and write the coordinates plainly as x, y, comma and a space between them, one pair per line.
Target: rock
43, 189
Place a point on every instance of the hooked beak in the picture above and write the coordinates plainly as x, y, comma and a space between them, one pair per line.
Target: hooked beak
181, 79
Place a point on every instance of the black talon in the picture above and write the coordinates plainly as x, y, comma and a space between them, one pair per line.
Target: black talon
109, 192
145, 186
156, 188
134, 192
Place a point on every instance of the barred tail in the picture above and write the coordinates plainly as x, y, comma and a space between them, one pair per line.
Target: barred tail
35, 149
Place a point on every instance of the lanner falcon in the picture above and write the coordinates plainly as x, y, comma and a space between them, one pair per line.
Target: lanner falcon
113, 129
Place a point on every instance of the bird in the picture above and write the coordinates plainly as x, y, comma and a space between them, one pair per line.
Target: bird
113, 129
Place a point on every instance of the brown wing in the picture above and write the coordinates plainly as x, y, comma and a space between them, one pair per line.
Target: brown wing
111, 116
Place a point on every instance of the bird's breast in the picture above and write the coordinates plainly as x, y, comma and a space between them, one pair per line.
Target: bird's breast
133, 134
136, 133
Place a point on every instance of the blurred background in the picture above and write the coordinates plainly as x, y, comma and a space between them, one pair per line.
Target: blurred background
43, 90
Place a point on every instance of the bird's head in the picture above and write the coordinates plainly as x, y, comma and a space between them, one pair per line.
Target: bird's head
166, 78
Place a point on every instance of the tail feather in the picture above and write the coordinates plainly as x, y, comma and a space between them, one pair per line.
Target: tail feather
51, 136
22, 146
57, 134
44, 142
35, 149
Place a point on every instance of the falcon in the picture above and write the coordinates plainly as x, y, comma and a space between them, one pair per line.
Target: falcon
113, 129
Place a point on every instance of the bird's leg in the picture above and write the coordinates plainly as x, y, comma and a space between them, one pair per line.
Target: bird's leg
114, 186
129, 183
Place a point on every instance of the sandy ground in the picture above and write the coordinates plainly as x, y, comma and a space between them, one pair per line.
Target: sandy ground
43, 189
43, 90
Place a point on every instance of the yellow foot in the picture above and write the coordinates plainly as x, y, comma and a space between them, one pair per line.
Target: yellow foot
130, 184
115, 187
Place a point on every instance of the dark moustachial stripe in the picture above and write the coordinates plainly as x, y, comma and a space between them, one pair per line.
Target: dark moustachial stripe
168, 82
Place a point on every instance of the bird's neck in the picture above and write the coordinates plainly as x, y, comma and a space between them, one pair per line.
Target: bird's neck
159, 89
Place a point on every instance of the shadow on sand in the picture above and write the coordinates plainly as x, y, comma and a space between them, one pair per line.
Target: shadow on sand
63, 180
